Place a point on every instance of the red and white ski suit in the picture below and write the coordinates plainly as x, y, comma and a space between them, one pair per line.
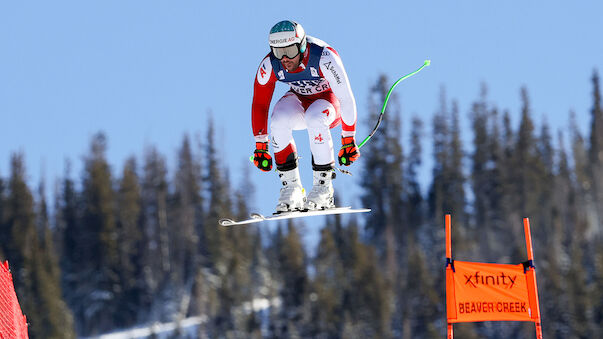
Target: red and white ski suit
319, 99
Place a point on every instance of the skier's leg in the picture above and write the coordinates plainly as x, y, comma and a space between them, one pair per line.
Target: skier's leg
320, 115
287, 116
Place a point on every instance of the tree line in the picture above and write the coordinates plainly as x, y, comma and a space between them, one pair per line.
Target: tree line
142, 245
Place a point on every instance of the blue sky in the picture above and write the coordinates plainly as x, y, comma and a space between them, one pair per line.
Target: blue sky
146, 72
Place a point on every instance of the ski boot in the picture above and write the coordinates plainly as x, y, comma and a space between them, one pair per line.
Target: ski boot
321, 195
292, 196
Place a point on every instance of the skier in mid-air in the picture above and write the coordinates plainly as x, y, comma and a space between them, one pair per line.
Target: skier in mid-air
320, 99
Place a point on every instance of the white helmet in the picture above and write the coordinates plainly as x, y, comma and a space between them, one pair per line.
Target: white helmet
287, 38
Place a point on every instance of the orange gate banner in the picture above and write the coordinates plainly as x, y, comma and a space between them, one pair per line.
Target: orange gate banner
488, 292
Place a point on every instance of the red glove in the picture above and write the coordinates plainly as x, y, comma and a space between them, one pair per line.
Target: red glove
349, 152
261, 157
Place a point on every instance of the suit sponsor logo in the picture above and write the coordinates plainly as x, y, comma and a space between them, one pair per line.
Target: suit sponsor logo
333, 71
263, 74
305, 83
309, 86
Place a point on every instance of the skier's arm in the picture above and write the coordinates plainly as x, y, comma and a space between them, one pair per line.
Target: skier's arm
263, 88
332, 69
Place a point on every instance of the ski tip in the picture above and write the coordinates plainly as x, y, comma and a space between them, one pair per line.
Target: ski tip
427, 62
226, 222
257, 216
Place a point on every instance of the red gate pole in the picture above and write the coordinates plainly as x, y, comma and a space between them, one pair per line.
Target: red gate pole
448, 238
451, 309
531, 275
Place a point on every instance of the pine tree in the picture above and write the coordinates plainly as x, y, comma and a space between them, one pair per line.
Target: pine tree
99, 278
379, 159
369, 298
292, 265
545, 160
69, 230
236, 288
457, 176
216, 185
441, 137
585, 240
582, 172
245, 194
328, 286
20, 226
487, 180
481, 160
215, 244
414, 196
595, 153
525, 160
422, 301
289, 315
235, 270
579, 303
446, 193
396, 230
580, 156
416, 220
272, 251
156, 263
55, 319
31, 254
184, 207
526, 178
129, 235
243, 243
554, 299
509, 197
22, 240
596, 131
383, 181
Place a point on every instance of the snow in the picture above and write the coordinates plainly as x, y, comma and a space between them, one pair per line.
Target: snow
161, 330
188, 326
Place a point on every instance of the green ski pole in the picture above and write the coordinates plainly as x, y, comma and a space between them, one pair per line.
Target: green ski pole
426, 63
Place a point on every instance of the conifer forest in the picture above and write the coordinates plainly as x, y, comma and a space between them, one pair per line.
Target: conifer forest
115, 247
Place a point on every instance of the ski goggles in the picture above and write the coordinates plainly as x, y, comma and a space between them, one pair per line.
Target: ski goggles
290, 51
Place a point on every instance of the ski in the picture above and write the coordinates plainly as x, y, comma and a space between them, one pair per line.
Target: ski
256, 217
